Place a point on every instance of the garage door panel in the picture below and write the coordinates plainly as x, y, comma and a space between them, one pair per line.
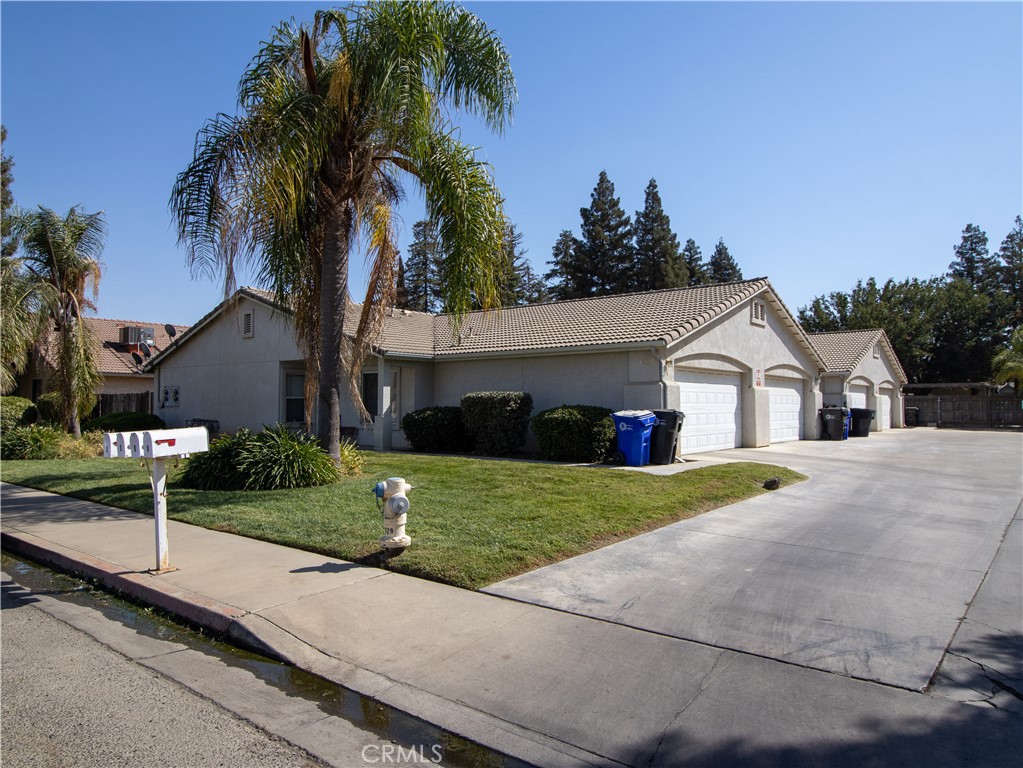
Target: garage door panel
713, 411
785, 400
857, 396
884, 409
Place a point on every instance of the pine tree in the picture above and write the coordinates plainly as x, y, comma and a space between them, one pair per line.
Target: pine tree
659, 263
570, 276
400, 291
1011, 256
972, 261
693, 260
10, 241
606, 242
518, 283
422, 268
723, 268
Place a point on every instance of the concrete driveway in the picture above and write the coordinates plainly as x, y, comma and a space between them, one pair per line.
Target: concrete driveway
866, 569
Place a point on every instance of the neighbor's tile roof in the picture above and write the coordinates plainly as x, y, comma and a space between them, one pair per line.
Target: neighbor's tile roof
651, 316
842, 351
114, 358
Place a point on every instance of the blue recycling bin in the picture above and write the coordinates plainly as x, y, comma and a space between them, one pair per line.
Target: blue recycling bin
633, 429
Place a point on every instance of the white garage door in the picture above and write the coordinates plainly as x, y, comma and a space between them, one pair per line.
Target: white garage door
713, 410
857, 397
786, 402
884, 408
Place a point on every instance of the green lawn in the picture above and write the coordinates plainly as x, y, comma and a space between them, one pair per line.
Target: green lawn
472, 521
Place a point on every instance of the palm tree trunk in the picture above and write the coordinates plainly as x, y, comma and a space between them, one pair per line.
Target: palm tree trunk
333, 297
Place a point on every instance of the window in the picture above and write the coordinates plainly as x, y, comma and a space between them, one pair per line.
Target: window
294, 398
369, 393
248, 324
877, 350
758, 313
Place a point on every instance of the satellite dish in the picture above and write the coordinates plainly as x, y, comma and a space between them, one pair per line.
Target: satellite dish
137, 358
145, 349
171, 330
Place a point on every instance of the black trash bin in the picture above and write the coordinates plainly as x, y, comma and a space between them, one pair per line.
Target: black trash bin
664, 439
912, 416
834, 423
862, 418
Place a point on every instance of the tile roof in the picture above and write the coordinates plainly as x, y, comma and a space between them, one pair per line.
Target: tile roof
652, 316
114, 358
842, 351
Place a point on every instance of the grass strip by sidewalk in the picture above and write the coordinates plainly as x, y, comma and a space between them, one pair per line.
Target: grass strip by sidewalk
472, 521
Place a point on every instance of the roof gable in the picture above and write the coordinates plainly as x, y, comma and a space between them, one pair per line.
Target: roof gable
843, 351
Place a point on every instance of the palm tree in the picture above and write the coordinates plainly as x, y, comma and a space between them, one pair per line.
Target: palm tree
1008, 363
19, 320
62, 258
332, 120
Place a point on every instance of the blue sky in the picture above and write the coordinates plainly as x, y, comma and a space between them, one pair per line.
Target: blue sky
825, 142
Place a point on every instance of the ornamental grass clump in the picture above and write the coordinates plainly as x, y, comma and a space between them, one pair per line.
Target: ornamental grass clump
36, 442
271, 460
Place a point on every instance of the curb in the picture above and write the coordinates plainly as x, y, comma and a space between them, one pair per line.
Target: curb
252, 631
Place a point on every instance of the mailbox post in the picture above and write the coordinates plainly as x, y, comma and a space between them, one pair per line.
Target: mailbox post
158, 445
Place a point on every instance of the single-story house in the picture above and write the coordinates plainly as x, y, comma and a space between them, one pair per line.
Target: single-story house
862, 371
730, 356
118, 342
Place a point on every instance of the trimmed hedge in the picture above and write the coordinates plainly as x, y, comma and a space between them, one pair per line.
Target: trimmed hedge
497, 422
16, 412
125, 422
49, 406
584, 433
436, 430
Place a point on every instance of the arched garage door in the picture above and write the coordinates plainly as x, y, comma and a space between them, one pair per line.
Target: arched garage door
884, 408
857, 397
785, 397
712, 406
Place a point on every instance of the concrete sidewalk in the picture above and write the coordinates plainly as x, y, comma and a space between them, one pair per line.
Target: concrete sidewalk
546, 687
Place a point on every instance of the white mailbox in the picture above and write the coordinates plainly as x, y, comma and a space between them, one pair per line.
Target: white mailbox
113, 445
134, 445
164, 443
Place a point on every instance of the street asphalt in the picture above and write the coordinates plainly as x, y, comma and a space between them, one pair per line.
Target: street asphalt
805, 627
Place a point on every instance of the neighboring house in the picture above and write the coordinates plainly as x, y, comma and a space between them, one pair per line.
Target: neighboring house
124, 381
862, 371
730, 356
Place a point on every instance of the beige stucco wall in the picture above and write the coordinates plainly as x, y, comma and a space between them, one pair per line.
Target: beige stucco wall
221, 375
875, 373
121, 385
734, 344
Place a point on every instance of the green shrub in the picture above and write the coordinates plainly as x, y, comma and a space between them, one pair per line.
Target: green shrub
36, 441
218, 468
16, 412
48, 406
273, 459
351, 459
436, 430
497, 421
574, 433
132, 421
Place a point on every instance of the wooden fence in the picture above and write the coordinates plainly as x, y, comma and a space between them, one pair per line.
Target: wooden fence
967, 410
130, 402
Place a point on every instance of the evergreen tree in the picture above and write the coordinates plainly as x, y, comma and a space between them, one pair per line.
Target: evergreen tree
606, 243
534, 289
1011, 256
10, 241
423, 267
693, 260
517, 282
659, 262
400, 291
972, 261
570, 276
723, 268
